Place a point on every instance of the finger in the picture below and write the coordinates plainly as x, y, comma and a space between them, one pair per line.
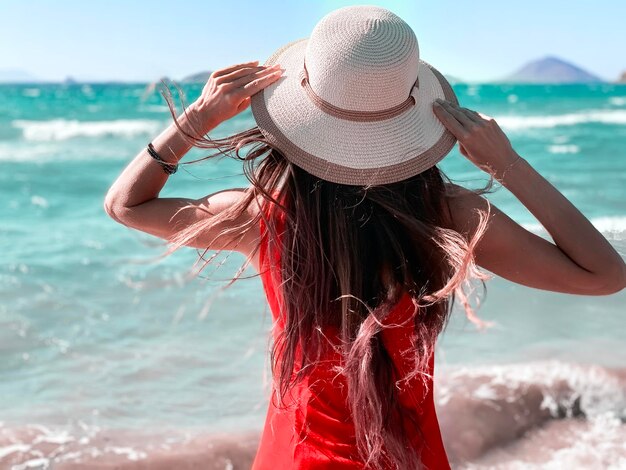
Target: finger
232, 68
449, 121
261, 82
243, 72
458, 114
241, 82
485, 116
472, 115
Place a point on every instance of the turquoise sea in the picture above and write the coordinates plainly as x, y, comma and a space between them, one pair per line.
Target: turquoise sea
112, 358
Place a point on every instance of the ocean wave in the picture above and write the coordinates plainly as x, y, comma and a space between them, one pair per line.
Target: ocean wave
64, 129
154, 108
529, 415
561, 444
609, 116
517, 416
31, 92
32, 153
614, 226
617, 100
88, 446
60, 151
564, 148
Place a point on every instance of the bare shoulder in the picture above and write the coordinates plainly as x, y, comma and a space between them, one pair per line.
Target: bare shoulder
224, 199
228, 198
465, 208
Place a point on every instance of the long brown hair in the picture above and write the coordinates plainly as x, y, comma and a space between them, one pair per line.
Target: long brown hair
347, 255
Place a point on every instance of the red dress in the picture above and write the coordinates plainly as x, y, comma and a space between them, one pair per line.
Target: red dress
313, 429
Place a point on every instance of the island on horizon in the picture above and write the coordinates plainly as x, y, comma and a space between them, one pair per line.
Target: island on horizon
197, 77
551, 69
548, 70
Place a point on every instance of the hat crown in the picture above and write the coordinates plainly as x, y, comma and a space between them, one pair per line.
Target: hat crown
362, 58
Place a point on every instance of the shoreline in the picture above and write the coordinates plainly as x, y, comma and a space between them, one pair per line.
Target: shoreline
489, 415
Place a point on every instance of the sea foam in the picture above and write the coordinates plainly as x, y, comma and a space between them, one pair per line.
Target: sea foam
62, 151
618, 100
486, 410
609, 116
611, 225
63, 129
563, 149
543, 414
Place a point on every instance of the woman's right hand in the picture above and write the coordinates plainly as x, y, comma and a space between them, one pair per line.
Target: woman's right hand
480, 137
228, 92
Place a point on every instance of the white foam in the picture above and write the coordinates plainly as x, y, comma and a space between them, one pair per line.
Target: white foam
603, 116
30, 153
587, 402
532, 227
31, 92
63, 129
599, 390
61, 437
590, 444
617, 100
37, 463
129, 452
560, 139
610, 224
39, 201
564, 148
154, 108
42, 152
485, 392
472, 90
87, 90
607, 225
7, 450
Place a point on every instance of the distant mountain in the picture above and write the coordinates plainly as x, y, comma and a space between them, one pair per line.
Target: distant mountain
16, 76
551, 70
197, 77
622, 77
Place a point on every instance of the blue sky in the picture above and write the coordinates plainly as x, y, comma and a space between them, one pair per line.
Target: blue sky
142, 40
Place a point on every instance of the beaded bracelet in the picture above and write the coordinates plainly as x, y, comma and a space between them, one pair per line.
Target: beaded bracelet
169, 168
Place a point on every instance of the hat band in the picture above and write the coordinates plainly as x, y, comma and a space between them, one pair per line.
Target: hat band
352, 115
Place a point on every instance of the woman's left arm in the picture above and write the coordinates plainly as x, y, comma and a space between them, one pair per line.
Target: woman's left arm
133, 199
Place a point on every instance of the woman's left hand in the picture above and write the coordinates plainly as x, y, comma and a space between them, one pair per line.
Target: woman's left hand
481, 140
228, 92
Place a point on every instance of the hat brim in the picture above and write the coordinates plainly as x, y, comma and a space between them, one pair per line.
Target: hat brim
345, 151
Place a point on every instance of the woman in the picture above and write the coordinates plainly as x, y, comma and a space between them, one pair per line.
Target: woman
361, 244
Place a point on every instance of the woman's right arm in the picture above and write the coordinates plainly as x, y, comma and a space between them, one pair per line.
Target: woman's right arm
580, 261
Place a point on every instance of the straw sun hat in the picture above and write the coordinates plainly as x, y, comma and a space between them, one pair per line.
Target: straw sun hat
354, 104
